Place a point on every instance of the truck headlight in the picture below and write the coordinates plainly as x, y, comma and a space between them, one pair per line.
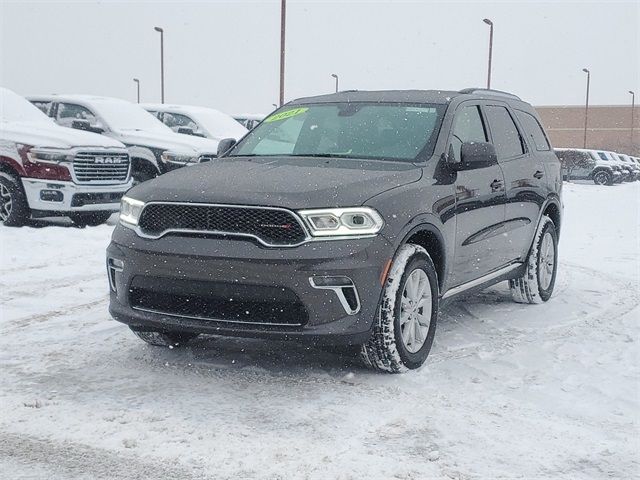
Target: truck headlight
42, 155
130, 210
338, 222
178, 158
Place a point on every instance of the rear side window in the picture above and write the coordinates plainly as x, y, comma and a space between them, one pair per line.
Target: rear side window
506, 138
43, 106
533, 130
467, 127
603, 156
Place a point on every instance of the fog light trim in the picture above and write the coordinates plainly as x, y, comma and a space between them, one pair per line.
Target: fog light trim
343, 287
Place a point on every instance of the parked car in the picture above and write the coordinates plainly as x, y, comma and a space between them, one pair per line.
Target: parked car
199, 121
249, 120
630, 165
344, 219
154, 147
581, 164
609, 157
47, 170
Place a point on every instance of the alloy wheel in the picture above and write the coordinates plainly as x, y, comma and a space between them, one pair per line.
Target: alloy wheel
415, 310
546, 261
6, 203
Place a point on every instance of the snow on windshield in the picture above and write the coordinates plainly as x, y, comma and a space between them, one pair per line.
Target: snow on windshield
14, 108
121, 115
219, 125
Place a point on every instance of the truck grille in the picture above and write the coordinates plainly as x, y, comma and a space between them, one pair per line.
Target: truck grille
271, 226
101, 167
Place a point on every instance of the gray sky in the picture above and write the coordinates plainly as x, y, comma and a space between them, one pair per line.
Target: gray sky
224, 54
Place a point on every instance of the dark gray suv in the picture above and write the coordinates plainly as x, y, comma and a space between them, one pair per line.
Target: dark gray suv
344, 219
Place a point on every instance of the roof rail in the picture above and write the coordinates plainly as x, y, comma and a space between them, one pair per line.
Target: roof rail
489, 91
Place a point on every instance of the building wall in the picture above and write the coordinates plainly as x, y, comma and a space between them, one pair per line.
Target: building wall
608, 128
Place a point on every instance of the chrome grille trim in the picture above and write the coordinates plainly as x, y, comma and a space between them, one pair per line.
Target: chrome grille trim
101, 167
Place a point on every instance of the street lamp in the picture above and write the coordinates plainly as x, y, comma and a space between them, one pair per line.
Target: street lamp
490, 23
633, 106
158, 29
137, 88
336, 77
283, 21
586, 107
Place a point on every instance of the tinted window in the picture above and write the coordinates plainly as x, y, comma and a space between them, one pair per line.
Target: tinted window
533, 130
467, 127
177, 120
603, 156
506, 138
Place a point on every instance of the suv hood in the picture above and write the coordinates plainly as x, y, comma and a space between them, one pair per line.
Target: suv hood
43, 134
168, 141
295, 183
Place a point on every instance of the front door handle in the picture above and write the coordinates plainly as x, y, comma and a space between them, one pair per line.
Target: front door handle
539, 174
496, 185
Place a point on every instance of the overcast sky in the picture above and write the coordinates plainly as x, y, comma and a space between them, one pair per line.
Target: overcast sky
225, 54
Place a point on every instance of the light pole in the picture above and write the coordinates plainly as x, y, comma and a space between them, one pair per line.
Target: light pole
336, 77
137, 88
586, 107
283, 21
633, 106
158, 29
490, 23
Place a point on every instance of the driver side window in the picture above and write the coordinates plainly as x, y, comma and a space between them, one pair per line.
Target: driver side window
467, 127
68, 112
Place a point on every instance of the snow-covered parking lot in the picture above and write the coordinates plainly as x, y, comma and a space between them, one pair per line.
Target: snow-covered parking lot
509, 391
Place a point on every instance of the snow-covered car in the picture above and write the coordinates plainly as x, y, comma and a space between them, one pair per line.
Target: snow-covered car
249, 120
48, 170
154, 147
581, 164
198, 121
607, 156
630, 165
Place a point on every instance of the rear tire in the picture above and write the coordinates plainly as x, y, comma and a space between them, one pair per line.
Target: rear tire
89, 219
405, 323
14, 209
536, 285
164, 339
603, 178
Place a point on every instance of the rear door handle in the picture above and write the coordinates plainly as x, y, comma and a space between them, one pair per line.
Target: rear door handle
539, 174
496, 185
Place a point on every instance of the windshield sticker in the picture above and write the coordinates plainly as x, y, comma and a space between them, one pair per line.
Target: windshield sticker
285, 114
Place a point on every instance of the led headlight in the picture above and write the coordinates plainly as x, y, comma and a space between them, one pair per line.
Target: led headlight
337, 222
41, 155
178, 158
130, 210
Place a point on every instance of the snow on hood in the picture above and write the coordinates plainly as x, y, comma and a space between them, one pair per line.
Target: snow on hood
168, 141
48, 134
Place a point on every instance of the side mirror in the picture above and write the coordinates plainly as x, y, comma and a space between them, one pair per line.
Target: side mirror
476, 155
225, 145
86, 125
186, 130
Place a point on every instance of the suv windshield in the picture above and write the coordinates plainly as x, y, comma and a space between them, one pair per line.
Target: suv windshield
121, 115
353, 130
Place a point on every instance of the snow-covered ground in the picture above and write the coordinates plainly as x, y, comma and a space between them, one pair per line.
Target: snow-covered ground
509, 391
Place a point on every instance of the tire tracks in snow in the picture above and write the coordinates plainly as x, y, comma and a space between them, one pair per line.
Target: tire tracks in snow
72, 460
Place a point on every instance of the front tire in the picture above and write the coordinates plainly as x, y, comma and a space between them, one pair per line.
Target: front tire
164, 339
14, 209
405, 323
536, 285
89, 219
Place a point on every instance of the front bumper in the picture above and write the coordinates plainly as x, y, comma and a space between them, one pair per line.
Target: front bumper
173, 263
62, 196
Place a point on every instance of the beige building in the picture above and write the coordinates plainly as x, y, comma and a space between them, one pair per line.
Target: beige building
608, 128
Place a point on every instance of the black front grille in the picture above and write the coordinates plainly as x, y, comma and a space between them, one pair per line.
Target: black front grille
81, 199
218, 301
273, 227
